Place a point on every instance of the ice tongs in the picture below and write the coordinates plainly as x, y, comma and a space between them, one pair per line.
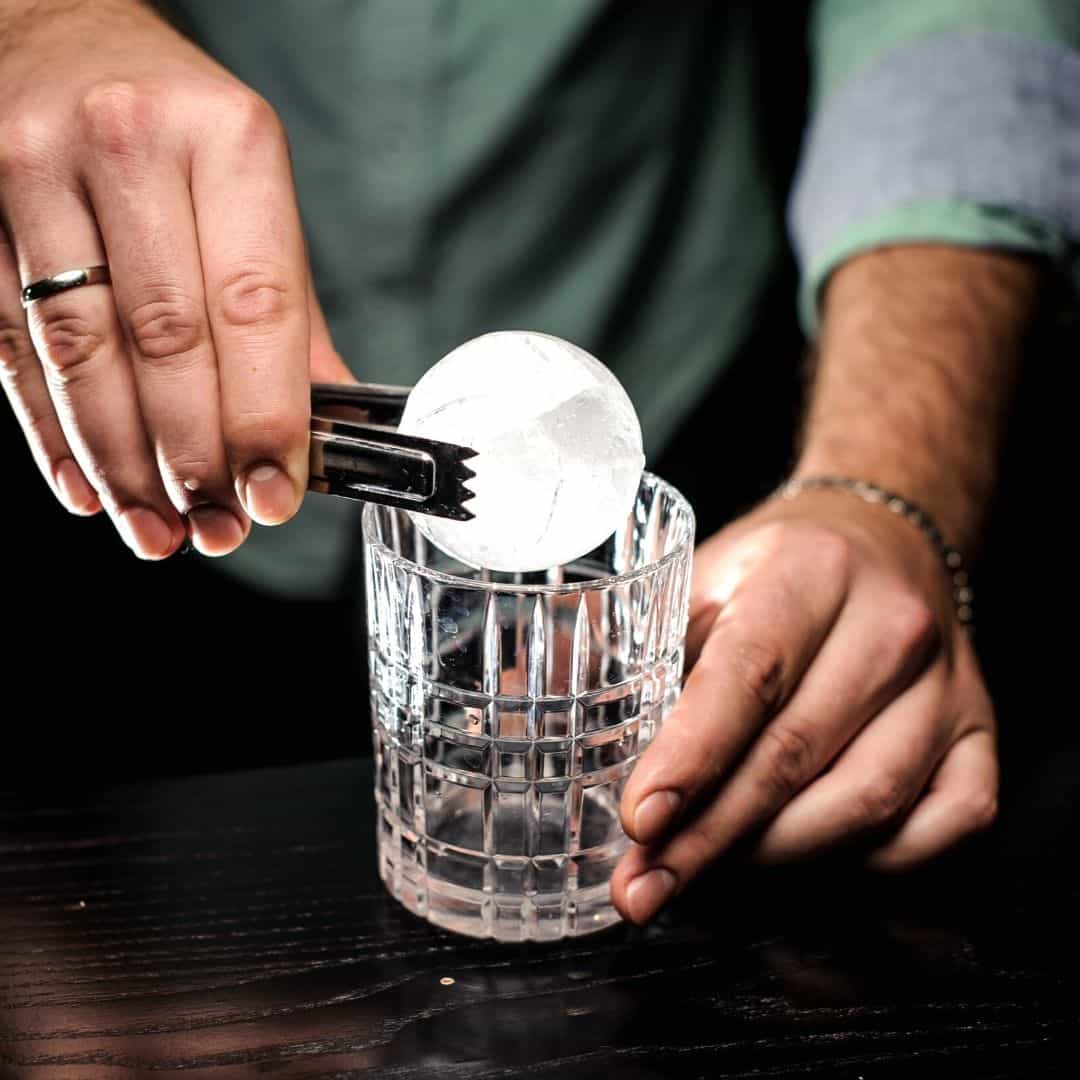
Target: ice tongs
358, 453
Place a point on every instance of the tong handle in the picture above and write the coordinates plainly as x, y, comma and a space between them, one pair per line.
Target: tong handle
357, 453
364, 403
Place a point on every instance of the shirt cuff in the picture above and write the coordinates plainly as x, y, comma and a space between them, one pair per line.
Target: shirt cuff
968, 137
940, 221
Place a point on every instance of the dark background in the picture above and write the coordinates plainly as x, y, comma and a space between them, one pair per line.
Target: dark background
116, 669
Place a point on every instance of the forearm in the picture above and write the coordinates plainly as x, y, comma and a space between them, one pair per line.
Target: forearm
918, 358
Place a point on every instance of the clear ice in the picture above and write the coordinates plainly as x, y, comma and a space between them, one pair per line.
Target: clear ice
559, 451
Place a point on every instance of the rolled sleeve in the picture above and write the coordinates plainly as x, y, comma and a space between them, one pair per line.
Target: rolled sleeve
966, 136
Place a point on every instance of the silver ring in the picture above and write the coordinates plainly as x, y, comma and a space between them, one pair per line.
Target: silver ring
69, 279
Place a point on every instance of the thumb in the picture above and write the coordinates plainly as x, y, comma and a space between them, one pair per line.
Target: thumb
326, 362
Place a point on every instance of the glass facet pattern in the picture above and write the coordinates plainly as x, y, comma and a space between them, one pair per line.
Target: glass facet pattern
508, 711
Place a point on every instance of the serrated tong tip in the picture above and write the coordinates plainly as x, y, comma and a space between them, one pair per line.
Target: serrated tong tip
357, 453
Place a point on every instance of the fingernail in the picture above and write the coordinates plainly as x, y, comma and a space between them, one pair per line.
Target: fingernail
268, 495
214, 531
648, 892
79, 497
654, 814
145, 533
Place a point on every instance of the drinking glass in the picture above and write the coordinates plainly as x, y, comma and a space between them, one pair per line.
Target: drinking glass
507, 713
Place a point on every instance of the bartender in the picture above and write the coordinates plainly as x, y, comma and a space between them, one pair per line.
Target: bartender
207, 205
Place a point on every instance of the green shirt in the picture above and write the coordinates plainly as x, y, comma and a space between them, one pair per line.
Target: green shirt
597, 169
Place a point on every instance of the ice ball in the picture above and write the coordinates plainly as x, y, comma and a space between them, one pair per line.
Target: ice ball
559, 455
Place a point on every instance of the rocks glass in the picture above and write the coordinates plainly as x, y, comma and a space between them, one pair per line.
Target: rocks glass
508, 710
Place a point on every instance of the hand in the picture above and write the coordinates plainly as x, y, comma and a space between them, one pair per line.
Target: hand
184, 388
834, 701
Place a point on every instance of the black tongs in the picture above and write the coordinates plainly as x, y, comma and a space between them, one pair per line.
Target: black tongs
358, 453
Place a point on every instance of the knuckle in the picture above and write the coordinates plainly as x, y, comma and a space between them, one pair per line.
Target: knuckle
758, 667
166, 323
120, 487
110, 483
698, 845
34, 412
15, 351
791, 756
254, 296
882, 799
67, 341
37, 431
254, 434
39, 423
253, 119
829, 554
911, 624
771, 538
117, 116
192, 463
980, 811
192, 477
26, 146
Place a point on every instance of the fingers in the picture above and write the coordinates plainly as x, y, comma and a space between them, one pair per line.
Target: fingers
87, 367
874, 783
961, 801
871, 786
24, 385
257, 299
183, 389
760, 643
876, 649
640, 887
143, 208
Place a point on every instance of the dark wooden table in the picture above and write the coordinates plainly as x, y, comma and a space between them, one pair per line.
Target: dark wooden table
233, 925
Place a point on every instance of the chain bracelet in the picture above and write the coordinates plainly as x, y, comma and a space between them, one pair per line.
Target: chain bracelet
963, 595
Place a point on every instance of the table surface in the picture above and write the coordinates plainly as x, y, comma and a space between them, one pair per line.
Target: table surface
234, 925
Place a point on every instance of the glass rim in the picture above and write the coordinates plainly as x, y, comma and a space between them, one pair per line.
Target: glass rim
589, 585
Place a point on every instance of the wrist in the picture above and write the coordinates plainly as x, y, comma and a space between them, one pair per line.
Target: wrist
919, 353
949, 559
956, 504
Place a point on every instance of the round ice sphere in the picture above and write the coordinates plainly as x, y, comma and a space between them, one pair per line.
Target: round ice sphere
558, 445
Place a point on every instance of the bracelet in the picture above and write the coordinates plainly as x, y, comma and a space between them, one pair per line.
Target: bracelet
963, 595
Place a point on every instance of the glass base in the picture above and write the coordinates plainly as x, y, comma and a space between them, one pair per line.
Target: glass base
546, 897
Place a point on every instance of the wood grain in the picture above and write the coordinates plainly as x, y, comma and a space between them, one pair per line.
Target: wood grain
233, 925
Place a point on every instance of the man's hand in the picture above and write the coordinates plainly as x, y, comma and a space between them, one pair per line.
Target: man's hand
184, 388
834, 699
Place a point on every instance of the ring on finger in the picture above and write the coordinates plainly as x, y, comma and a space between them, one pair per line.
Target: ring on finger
66, 279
